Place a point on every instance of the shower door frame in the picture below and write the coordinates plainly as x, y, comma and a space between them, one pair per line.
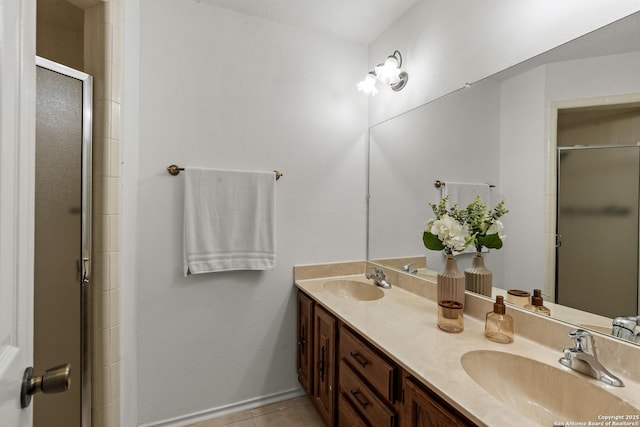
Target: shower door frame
85, 261
550, 192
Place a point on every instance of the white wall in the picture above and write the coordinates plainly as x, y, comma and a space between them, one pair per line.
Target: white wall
129, 251
522, 178
219, 89
446, 44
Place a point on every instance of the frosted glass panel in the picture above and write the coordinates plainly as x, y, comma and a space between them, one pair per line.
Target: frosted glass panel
57, 338
598, 222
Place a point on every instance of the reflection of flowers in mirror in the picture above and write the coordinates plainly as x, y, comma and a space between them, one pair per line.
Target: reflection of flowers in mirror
485, 228
448, 231
454, 229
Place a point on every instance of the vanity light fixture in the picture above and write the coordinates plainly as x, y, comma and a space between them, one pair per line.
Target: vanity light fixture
368, 85
389, 73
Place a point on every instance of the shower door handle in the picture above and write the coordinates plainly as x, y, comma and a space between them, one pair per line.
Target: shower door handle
54, 380
85, 271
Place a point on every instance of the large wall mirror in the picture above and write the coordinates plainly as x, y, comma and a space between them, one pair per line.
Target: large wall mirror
514, 130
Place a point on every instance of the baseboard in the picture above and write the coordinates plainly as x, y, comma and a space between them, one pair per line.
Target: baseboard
196, 417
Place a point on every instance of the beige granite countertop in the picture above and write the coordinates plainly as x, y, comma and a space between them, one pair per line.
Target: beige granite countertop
403, 325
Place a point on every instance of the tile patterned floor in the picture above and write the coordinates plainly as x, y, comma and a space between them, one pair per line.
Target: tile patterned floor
297, 412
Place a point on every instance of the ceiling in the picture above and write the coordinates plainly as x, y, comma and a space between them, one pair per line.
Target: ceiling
357, 21
618, 37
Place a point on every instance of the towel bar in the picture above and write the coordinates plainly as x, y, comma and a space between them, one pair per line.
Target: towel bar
439, 184
175, 170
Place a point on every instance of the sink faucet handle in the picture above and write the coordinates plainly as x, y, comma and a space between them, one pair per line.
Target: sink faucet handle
408, 268
625, 327
378, 273
583, 341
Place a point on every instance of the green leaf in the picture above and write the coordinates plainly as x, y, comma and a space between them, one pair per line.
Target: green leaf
431, 241
492, 241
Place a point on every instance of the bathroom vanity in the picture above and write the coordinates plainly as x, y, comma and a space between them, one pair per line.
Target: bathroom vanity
368, 356
352, 383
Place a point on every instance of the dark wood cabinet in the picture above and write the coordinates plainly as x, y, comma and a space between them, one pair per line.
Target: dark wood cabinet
324, 342
348, 415
373, 410
353, 384
367, 381
423, 408
316, 356
304, 354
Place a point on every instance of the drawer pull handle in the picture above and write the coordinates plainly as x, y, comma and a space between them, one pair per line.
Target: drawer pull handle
359, 359
357, 395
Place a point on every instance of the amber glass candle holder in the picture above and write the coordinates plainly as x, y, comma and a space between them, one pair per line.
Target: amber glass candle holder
518, 297
450, 316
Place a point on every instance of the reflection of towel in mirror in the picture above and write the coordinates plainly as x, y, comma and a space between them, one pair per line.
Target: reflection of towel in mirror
229, 220
464, 193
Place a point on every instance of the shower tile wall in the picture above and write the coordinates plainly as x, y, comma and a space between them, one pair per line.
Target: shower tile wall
59, 32
103, 60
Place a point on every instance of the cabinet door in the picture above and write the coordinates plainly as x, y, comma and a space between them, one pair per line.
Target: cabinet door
423, 409
304, 354
324, 326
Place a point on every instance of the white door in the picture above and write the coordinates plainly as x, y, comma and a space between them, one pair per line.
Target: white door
17, 116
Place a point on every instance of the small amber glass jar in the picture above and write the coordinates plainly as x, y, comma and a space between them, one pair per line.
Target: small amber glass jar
450, 316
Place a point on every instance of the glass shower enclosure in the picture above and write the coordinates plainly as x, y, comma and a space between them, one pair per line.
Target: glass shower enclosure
62, 327
597, 227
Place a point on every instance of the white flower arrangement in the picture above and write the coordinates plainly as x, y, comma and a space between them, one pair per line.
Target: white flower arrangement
484, 225
448, 231
455, 229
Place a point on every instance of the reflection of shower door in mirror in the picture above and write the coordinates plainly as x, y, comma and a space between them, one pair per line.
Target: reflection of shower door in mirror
62, 240
597, 259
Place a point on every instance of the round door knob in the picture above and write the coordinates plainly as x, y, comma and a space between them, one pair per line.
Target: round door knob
54, 380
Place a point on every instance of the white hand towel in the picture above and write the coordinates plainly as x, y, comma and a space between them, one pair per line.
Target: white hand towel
229, 220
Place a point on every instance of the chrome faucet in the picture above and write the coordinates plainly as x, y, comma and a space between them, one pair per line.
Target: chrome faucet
584, 359
408, 269
625, 328
378, 277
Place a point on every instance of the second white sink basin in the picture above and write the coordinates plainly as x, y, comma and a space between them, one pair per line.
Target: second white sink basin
539, 391
353, 289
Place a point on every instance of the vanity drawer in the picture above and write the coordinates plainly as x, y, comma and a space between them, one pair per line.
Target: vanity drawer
347, 415
356, 392
368, 363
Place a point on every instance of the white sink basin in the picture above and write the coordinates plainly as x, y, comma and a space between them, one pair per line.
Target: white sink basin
353, 290
540, 391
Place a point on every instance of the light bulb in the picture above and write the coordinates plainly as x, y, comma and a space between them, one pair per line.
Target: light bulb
368, 85
389, 72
